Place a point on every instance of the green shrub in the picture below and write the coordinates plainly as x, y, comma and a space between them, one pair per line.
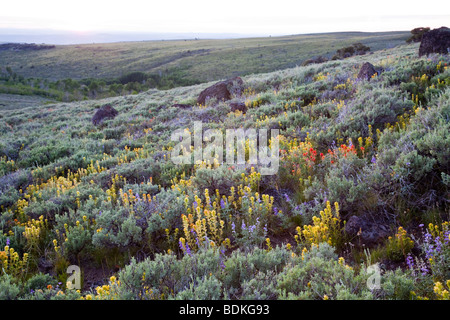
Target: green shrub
206, 288
8, 289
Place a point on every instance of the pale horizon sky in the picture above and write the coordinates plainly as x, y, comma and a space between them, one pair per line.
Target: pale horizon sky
230, 16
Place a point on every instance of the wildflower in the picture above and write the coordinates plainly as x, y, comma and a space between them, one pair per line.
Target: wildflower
275, 210
286, 197
374, 160
7, 242
424, 269
410, 262
222, 203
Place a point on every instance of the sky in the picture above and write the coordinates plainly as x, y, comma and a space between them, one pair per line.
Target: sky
276, 17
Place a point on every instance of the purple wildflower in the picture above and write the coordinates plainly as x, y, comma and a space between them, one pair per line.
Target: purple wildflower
447, 237
429, 247
438, 243
410, 262
275, 210
222, 203
286, 197
188, 250
424, 269
7, 242
374, 160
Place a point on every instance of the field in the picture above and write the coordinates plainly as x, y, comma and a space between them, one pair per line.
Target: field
196, 60
358, 209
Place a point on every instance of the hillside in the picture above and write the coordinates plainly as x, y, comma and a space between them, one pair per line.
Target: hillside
196, 60
360, 196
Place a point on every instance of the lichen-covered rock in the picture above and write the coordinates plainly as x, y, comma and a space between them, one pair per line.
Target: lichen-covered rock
367, 71
365, 232
105, 112
435, 41
221, 91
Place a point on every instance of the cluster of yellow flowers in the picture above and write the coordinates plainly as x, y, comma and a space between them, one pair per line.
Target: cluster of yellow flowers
252, 180
440, 230
264, 120
7, 165
33, 231
320, 76
441, 292
130, 155
11, 263
204, 219
108, 291
325, 228
291, 105
344, 86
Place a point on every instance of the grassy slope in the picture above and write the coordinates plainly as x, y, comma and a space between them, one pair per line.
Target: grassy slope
68, 125
203, 60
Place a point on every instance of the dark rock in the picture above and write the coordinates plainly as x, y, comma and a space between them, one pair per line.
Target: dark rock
238, 106
45, 266
367, 71
365, 232
435, 41
315, 60
221, 91
182, 106
105, 112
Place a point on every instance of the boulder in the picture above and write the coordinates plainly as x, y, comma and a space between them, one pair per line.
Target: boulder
221, 91
315, 60
105, 112
238, 106
367, 71
435, 41
366, 232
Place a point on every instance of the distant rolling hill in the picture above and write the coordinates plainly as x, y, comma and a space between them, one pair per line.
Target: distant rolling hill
197, 60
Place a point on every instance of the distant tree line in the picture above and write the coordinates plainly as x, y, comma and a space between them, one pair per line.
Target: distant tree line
76, 90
